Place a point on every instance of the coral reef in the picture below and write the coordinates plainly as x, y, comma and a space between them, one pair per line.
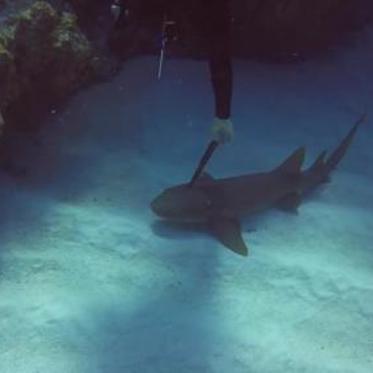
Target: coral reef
44, 57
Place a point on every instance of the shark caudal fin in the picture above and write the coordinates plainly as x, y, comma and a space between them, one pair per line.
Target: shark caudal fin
320, 170
333, 160
293, 164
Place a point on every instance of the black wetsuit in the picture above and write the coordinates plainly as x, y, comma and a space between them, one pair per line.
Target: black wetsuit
211, 22
218, 36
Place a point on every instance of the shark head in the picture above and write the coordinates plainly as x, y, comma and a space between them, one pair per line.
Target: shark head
182, 203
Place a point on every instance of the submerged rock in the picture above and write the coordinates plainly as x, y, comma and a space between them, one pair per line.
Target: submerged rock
44, 57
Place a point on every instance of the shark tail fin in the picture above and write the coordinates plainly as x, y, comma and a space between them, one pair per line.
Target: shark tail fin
334, 159
293, 164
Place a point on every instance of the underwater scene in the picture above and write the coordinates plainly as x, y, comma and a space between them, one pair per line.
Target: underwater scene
186, 187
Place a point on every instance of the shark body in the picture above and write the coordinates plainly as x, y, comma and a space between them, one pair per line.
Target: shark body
222, 203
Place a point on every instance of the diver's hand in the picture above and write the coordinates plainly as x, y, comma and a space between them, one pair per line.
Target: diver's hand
116, 9
222, 130
2, 122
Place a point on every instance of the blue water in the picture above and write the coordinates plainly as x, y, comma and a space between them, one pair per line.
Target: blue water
90, 281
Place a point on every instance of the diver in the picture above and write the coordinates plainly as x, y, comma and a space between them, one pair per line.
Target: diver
211, 22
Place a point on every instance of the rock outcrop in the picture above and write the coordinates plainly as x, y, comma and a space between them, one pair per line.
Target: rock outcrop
44, 57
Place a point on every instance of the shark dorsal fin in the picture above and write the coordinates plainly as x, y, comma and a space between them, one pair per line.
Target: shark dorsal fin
293, 164
205, 176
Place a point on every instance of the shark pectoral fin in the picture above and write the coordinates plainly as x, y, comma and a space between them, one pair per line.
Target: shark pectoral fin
290, 203
228, 231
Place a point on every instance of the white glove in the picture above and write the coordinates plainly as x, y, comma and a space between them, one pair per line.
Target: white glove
222, 130
2, 122
115, 10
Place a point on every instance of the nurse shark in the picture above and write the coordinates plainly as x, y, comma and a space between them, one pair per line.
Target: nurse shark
222, 203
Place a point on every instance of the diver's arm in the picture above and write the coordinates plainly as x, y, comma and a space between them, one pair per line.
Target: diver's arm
221, 78
220, 64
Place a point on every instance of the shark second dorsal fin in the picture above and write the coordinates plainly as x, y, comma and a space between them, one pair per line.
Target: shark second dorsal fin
319, 163
228, 232
205, 176
293, 164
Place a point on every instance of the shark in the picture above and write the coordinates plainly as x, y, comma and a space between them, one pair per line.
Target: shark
223, 203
